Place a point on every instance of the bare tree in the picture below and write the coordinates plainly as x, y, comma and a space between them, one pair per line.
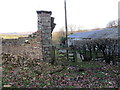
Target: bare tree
57, 35
113, 23
62, 32
72, 28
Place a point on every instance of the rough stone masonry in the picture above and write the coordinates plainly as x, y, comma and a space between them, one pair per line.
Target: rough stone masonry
35, 46
45, 27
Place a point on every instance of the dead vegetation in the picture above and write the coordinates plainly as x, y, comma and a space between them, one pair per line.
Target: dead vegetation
21, 72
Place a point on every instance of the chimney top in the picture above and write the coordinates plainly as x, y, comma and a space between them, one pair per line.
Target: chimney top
48, 12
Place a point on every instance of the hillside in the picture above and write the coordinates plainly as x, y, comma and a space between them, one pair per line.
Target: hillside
14, 35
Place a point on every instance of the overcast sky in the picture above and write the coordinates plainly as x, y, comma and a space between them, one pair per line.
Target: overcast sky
21, 16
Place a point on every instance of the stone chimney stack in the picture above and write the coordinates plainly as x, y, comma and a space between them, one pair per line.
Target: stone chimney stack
45, 27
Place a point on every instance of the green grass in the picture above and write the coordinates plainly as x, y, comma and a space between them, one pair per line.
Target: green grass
70, 87
84, 64
100, 75
42, 84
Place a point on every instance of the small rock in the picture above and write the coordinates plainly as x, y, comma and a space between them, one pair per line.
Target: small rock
7, 86
110, 82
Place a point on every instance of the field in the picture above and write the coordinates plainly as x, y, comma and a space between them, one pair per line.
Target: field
9, 36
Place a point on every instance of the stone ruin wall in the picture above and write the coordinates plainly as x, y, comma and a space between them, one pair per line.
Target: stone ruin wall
19, 47
36, 46
45, 26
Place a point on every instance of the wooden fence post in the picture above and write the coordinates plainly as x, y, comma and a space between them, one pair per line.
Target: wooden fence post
53, 55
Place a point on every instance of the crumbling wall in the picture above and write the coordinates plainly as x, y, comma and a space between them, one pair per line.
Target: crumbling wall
45, 26
39, 44
19, 47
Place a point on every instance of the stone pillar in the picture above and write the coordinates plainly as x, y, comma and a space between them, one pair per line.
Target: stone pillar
45, 27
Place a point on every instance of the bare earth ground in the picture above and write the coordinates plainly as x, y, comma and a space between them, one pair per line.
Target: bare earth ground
35, 74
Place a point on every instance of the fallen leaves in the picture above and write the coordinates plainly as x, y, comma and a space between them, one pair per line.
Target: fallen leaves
79, 76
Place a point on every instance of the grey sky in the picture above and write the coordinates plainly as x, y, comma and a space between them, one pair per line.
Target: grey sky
20, 15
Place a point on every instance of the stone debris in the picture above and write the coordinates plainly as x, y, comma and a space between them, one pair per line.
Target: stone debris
37, 45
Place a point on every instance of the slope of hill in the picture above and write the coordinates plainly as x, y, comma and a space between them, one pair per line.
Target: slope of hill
14, 35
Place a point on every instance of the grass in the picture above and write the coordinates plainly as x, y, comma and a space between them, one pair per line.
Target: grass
11, 36
93, 73
99, 75
47, 80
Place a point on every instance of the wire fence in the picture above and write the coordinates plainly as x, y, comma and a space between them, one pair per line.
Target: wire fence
101, 50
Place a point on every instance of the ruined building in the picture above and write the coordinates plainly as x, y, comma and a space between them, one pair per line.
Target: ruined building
45, 27
35, 46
